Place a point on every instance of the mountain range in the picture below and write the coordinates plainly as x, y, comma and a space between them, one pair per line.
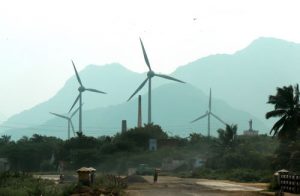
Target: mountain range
174, 107
241, 83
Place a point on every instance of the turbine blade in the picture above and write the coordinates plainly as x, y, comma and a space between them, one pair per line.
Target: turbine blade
74, 102
75, 112
145, 55
200, 117
72, 127
218, 118
138, 89
168, 77
77, 75
59, 115
95, 90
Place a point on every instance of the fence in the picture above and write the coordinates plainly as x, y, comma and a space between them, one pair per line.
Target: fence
290, 183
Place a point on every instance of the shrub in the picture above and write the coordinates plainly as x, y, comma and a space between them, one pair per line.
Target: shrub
25, 184
240, 175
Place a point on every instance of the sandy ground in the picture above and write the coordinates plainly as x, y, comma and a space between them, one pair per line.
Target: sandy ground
173, 186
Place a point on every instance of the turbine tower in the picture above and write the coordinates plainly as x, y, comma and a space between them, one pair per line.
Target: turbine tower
69, 119
150, 75
81, 89
208, 113
139, 124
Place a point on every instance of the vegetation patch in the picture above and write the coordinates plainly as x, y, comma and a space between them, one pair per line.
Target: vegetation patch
23, 184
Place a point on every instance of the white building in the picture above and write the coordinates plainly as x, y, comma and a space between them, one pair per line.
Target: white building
152, 144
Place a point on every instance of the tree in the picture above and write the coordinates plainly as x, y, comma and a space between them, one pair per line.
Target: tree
28, 154
287, 108
80, 151
138, 137
195, 138
227, 137
5, 139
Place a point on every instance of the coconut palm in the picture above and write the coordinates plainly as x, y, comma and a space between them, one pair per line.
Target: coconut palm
227, 136
5, 139
287, 108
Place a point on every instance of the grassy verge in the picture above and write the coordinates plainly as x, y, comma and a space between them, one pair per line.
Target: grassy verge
239, 175
23, 184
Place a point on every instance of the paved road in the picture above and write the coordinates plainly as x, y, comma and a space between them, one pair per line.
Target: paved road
173, 186
226, 186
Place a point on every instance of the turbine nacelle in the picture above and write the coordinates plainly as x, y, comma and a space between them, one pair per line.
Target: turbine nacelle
150, 74
81, 89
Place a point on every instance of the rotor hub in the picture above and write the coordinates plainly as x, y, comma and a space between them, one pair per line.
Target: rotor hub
150, 74
81, 89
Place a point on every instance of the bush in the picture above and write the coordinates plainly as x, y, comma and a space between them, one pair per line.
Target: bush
47, 166
103, 184
274, 186
25, 184
240, 175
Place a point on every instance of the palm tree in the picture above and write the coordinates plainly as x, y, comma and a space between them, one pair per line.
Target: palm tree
227, 137
287, 108
5, 139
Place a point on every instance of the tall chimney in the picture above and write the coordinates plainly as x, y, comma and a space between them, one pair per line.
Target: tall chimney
124, 126
139, 125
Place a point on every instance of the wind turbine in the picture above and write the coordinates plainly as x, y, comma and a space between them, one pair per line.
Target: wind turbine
150, 75
81, 89
69, 119
208, 113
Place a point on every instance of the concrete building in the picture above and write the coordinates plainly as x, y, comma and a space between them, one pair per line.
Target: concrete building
4, 164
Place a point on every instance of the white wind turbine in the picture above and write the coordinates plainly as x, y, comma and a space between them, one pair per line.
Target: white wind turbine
150, 75
69, 119
208, 113
81, 89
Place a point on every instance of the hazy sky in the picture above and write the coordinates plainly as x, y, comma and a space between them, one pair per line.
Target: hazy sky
39, 37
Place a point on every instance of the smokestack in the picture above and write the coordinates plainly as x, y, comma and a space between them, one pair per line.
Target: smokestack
139, 125
124, 126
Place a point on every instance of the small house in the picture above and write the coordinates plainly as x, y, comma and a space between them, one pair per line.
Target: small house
86, 175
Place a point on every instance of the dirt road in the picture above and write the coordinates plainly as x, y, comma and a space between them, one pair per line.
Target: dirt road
173, 186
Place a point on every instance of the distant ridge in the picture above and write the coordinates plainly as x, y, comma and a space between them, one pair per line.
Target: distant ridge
174, 107
244, 80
